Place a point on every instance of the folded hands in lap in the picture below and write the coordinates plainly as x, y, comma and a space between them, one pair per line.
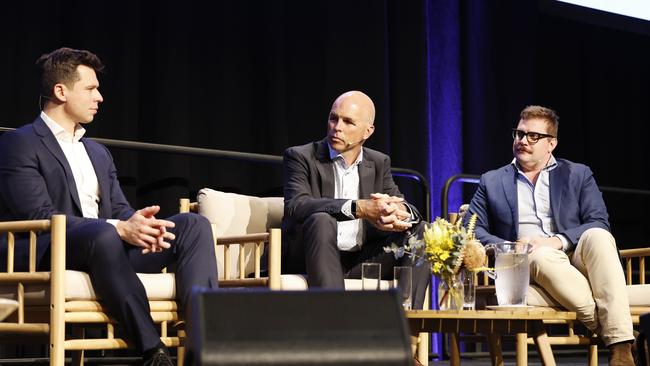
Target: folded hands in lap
143, 230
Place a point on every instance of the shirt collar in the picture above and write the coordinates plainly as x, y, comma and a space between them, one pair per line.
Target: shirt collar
59, 132
335, 155
552, 164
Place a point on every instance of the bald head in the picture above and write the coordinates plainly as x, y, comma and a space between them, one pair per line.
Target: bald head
350, 123
358, 102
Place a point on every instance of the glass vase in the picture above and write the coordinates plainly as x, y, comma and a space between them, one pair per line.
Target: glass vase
450, 293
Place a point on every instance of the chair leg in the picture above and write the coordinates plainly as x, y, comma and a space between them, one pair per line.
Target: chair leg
522, 349
78, 356
544, 348
454, 349
494, 345
180, 352
593, 354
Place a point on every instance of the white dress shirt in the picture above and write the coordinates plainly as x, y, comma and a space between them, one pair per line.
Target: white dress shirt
534, 204
346, 185
80, 164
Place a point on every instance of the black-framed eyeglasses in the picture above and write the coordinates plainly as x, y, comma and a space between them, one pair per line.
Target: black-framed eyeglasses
532, 137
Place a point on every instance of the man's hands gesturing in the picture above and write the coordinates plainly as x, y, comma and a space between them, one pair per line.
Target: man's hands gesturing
143, 230
387, 213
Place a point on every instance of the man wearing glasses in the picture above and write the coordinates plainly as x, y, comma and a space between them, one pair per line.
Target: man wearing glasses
555, 205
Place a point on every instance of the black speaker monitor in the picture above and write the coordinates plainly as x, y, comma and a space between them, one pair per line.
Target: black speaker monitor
299, 328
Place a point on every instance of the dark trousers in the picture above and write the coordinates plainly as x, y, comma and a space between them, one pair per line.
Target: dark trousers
112, 264
328, 267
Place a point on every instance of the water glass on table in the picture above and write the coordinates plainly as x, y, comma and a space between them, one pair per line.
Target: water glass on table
403, 284
469, 289
370, 276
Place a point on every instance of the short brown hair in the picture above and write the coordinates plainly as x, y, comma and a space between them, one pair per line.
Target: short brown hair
60, 66
547, 114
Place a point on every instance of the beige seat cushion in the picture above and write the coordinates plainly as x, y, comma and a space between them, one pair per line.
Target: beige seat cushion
297, 282
639, 295
159, 286
236, 214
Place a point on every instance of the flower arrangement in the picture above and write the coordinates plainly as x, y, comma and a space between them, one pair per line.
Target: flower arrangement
447, 247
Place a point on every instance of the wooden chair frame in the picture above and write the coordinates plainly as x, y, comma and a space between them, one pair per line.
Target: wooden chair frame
272, 239
52, 320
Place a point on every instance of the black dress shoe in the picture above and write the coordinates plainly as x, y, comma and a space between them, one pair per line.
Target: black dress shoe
159, 356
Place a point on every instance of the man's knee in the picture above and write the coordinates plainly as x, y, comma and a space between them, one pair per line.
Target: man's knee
545, 258
99, 240
319, 227
320, 221
191, 220
598, 239
191, 225
319, 230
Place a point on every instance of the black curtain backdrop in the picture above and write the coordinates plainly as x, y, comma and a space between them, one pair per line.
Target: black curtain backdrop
259, 76
250, 76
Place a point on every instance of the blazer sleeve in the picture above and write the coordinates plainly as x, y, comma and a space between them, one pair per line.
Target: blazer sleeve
479, 206
390, 188
22, 185
299, 199
592, 212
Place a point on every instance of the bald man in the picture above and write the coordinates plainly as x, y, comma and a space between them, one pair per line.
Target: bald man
341, 206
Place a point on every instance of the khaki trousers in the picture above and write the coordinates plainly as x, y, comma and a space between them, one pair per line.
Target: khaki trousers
589, 281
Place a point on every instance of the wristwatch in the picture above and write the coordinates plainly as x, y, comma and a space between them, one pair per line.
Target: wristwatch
353, 208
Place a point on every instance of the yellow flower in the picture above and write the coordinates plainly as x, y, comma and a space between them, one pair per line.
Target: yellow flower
447, 247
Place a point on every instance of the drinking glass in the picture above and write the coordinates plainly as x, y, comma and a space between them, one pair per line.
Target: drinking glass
402, 282
370, 276
469, 289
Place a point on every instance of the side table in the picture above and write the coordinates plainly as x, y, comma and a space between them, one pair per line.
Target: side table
494, 323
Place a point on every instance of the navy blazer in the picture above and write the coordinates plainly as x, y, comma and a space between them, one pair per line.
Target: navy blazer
576, 203
36, 181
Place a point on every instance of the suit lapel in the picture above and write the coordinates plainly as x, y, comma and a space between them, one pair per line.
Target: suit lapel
325, 169
510, 192
557, 178
102, 180
366, 177
53, 147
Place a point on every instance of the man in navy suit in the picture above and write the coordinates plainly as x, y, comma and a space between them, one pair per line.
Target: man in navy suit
556, 206
48, 167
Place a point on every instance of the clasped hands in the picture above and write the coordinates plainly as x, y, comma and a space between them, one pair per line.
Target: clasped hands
143, 230
387, 213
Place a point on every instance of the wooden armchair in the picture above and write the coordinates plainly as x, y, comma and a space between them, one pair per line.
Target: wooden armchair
60, 303
242, 227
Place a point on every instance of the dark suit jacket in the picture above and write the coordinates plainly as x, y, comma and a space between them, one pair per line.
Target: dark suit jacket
36, 181
576, 203
309, 188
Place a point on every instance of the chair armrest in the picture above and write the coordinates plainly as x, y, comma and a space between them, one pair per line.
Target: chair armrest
629, 257
273, 237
